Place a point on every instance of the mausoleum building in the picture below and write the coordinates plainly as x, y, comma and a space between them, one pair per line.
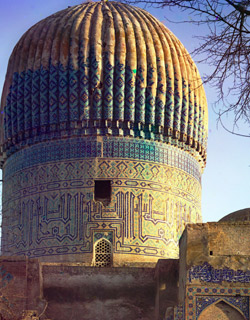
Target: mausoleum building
103, 143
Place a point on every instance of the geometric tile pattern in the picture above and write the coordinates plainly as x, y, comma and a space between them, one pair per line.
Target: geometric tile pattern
107, 147
104, 83
179, 312
241, 303
198, 298
49, 207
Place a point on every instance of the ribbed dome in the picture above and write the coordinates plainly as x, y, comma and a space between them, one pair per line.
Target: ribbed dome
103, 68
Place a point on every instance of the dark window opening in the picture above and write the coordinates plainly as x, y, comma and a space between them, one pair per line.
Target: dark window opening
103, 191
211, 253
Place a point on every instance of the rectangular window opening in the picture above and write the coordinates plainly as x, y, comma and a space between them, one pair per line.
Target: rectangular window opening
103, 191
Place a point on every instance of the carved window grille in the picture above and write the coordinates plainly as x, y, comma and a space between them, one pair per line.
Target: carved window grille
103, 253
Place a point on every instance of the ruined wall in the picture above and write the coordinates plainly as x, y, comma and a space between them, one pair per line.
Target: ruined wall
98, 293
60, 291
19, 287
167, 282
215, 271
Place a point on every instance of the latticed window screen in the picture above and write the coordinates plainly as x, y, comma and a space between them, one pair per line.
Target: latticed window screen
103, 254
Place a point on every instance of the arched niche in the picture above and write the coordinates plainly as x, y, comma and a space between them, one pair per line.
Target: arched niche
221, 311
103, 253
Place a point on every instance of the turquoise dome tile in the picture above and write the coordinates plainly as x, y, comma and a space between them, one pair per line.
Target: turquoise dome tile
103, 69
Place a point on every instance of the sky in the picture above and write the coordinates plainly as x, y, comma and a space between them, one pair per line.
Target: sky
226, 179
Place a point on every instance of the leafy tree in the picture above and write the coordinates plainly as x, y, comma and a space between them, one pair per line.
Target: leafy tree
226, 48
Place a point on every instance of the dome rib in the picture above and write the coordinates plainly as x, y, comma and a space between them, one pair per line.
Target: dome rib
139, 73
19, 113
58, 72
161, 74
184, 102
190, 120
36, 75
189, 102
130, 66
177, 91
73, 65
119, 72
20, 103
170, 94
96, 75
168, 101
198, 116
84, 74
103, 68
108, 57
34, 110
66, 72
44, 70
151, 80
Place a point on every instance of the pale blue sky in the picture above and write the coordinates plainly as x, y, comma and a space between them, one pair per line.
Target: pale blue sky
226, 180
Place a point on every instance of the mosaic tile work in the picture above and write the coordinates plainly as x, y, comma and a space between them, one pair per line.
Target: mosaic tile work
48, 205
199, 298
241, 303
179, 313
103, 83
169, 315
104, 235
107, 147
207, 273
